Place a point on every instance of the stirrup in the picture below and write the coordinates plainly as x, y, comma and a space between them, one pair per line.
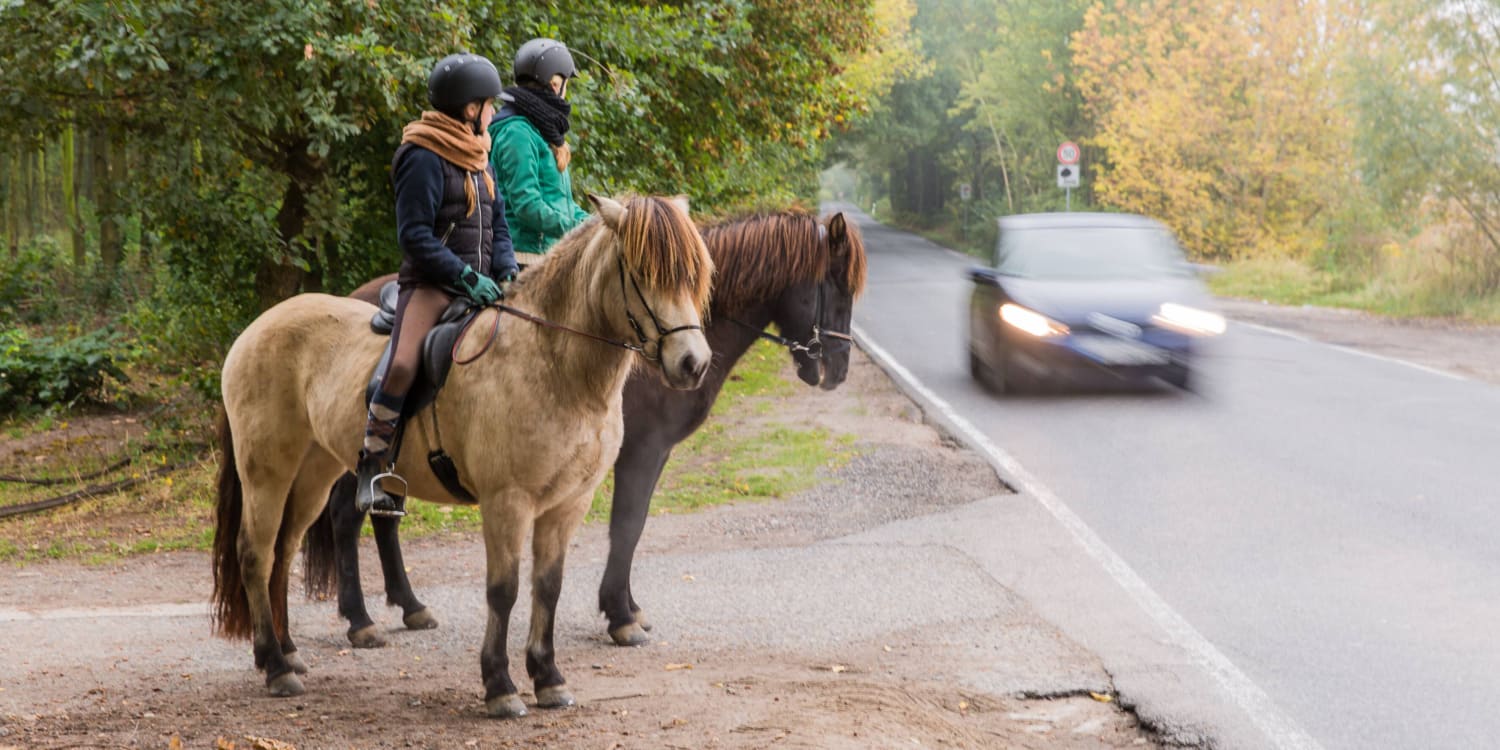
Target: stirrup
385, 502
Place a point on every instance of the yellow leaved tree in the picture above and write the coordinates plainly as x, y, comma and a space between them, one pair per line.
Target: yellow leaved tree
1219, 117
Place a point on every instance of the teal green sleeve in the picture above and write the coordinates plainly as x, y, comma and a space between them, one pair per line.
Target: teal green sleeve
517, 166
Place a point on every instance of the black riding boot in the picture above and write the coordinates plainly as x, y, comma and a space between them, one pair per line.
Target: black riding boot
381, 492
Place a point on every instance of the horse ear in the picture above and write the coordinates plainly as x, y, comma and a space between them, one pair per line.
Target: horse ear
838, 234
613, 213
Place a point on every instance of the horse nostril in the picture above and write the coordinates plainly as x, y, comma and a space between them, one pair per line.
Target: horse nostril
691, 365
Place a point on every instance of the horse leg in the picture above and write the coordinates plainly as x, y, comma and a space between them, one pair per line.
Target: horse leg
637, 470
309, 491
504, 535
414, 614
549, 546
264, 508
346, 521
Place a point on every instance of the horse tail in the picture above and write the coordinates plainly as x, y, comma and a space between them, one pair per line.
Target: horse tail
319, 566
231, 606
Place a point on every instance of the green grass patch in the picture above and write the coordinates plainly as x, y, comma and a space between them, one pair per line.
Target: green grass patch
752, 448
1397, 292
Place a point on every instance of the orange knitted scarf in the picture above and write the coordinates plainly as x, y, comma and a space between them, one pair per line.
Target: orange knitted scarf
453, 141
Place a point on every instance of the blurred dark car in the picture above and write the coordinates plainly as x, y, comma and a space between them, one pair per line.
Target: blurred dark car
1076, 295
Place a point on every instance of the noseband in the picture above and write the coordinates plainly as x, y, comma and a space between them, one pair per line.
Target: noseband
813, 347
662, 332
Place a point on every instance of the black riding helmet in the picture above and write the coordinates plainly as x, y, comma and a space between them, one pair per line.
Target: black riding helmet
540, 59
459, 79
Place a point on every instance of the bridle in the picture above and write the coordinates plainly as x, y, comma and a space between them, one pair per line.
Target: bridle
814, 346
662, 332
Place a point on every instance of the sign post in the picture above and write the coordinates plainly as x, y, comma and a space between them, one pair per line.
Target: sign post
1067, 170
965, 192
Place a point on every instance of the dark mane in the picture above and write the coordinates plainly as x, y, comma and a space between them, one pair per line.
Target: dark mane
759, 255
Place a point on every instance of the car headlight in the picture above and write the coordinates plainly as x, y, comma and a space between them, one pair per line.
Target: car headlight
1190, 319
1030, 321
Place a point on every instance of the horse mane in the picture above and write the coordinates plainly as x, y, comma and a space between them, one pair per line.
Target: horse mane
659, 243
773, 251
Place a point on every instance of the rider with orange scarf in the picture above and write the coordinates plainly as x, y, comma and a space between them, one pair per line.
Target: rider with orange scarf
454, 242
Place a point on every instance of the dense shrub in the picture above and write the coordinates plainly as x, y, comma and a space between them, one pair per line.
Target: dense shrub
28, 286
41, 372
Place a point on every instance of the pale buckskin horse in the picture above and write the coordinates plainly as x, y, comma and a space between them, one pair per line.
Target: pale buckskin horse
533, 423
784, 268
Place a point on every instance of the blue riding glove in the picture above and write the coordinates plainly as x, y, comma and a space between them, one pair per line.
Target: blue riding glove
481, 289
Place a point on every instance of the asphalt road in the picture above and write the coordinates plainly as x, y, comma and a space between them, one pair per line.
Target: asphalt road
1304, 553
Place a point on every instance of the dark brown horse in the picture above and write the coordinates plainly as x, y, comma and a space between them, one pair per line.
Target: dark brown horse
784, 268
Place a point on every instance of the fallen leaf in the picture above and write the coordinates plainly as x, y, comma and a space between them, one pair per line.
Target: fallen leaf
837, 668
688, 577
1101, 697
175, 743
673, 667
675, 722
266, 743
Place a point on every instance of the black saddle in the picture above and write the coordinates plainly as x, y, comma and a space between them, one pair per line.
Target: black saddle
437, 349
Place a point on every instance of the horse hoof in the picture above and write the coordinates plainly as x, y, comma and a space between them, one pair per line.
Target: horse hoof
505, 707
640, 619
294, 661
421, 619
286, 686
629, 635
367, 637
556, 696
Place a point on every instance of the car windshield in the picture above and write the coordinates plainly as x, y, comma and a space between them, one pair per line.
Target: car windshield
1090, 253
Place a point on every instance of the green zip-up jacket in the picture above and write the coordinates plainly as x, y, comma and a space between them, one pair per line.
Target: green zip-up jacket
539, 206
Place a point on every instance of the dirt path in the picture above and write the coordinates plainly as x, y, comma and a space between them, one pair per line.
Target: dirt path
744, 656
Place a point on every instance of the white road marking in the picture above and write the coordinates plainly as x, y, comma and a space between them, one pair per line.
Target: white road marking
1350, 350
1263, 712
91, 613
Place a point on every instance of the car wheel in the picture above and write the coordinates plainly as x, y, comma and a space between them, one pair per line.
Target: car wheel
993, 379
1179, 377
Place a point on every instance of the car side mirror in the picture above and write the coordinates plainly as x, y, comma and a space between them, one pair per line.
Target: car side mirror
984, 275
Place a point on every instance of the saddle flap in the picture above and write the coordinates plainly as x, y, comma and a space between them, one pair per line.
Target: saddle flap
384, 320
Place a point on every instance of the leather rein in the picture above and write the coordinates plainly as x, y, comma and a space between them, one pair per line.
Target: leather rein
662, 332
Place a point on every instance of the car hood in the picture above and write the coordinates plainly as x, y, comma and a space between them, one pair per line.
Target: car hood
1135, 300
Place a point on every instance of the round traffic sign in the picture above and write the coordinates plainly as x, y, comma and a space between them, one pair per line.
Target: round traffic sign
1067, 153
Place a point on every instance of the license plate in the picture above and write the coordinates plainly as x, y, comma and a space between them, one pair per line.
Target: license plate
1112, 351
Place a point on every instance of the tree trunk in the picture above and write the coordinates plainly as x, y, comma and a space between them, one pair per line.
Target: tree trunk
7, 197
106, 200
278, 276
29, 185
70, 174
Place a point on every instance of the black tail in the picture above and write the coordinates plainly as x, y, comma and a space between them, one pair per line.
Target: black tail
231, 608
319, 567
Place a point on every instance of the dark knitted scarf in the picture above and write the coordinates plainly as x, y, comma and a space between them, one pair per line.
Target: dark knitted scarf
547, 111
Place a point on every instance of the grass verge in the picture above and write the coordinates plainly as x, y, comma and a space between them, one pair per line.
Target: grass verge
749, 450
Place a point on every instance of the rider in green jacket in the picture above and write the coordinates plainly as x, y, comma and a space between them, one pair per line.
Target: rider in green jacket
530, 152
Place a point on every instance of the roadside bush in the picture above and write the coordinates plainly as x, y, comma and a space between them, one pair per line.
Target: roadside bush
28, 284
41, 372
